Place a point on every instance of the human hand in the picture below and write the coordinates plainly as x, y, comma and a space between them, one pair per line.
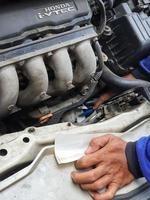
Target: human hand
106, 159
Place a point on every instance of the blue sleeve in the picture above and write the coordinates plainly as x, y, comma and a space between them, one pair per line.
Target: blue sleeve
143, 154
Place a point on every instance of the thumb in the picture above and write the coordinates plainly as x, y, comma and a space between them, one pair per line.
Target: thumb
97, 143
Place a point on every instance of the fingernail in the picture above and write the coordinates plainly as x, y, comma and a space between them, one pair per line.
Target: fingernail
73, 174
91, 194
89, 150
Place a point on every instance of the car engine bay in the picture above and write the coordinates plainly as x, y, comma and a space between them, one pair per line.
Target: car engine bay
79, 62
63, 41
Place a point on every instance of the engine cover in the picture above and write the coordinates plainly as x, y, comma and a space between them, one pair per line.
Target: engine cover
25, 16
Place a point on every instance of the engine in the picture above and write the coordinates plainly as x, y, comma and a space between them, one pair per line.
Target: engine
39, 43
51, 61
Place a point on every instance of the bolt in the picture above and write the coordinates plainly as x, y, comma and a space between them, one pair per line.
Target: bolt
11, 107
70, 85
49, 54
21, 63
43, 95
72, 47
69, 124
107, 31
105, 57
31, 130
85, 90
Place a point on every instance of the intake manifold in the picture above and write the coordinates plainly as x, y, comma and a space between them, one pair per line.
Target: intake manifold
35, 70
66, 76
9, 89
61, 64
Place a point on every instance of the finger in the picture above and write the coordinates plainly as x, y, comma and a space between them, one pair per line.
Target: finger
97, 185
97, 143
93, 194
108, 195
89, 176
90, 160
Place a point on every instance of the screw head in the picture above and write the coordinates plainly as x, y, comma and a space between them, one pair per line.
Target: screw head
11, 107
31, 130
43, 95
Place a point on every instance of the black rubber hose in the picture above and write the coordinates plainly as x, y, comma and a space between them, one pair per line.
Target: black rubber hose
111, 3
114, 80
